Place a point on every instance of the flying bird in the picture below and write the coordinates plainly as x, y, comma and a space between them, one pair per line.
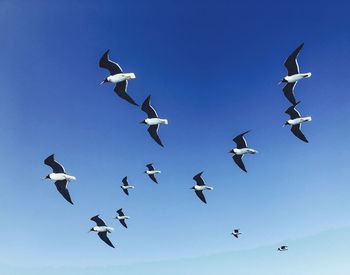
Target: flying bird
102, 229
294, 74
125, 186
200, 186
152, 120
283, 248
59, 176
151, 172
240, 150
295, 121
121, 217
236, 232
117, 77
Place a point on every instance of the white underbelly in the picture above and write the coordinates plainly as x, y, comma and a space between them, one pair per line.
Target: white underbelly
152, 172
121, 77
299, 120
296, 77
156, 121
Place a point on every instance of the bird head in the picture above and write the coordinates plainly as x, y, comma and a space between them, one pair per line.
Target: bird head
231, 151
285, 124
92, 229
143, 122
104, 81
282, 81
47, 177
192, 187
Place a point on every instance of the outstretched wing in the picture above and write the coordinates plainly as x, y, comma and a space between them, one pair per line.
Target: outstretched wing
126, 191
98, 221
153, 177
291, 62
153, 131
103, 237
111, 66
123, 223
120, 212
298, 133
150, 167
238, 160
292, 112
61, 186
121, 90
240, 140
125, 181
288, 91
200, 195
56, 167
198, 179
148, 109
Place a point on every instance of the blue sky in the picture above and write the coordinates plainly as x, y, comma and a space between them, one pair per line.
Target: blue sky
212, 68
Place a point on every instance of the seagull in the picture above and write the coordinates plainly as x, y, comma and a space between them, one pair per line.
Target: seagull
283, 248
200, 186
121, 217
118, 77
59, 176
293, 76
241, 150
295, 121
151, 172
236, 233
152, 120
126, 186
102, 229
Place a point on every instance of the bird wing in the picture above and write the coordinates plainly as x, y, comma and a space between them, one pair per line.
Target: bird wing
56, 167
126, 191
103, 237
148, 109
120, 89
150, 167
298, 133
292, 112
123, 223
125, 181
153, 131
98, 221
288, 91
153, 177
235, 235
198, 179
200, 195
291, 62
61, 186
111, 66
120, 212
238, 160
240, 140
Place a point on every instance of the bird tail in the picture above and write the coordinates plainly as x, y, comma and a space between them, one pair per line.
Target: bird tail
166, 121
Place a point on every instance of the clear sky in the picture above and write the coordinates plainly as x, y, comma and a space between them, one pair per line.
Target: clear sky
212, 68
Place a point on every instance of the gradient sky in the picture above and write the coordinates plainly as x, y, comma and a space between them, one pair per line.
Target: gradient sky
212, 68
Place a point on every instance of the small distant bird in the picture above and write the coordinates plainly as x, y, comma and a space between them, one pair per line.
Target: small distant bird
200, 186
293, 76
236, 232
117, 77
151, 172
121, 217
241, 150
283, 248
152, 120
295, 121
59, 176
102, 229
125, 187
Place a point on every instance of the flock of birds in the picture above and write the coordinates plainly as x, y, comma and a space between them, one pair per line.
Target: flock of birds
120, 79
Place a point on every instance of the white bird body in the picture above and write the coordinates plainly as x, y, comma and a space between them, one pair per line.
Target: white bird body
243, 151
296, 77
202, 187
155, 121
153, 172
123, 217
127, 187
103, 229
61, 176
120, 77
299, 120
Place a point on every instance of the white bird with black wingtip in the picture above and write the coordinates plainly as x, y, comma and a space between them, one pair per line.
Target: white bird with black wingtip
151, 172
294, 74
152, 120
60, 177
295, 121
125, 186
241, 150
102, 229
200, 187
117, 76
122, 217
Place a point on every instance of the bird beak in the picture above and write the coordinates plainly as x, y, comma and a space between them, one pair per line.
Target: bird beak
104, 81
143, 122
